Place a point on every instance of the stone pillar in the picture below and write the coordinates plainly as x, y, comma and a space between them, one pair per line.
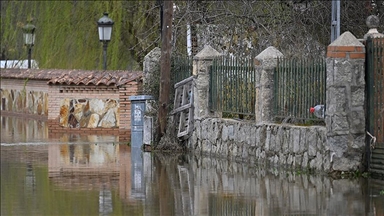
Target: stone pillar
372, 22
151, 66
265, 64
201, 63
345, 112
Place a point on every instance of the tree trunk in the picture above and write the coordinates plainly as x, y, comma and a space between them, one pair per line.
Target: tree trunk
165, 66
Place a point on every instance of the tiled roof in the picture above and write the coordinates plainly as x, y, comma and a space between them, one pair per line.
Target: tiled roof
74, 77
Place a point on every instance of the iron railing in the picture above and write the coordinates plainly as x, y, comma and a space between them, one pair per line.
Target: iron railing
232, 87
181, 68
375, 88
299, 84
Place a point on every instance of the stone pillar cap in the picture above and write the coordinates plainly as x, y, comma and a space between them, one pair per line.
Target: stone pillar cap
346, 39
372, 22
207, 53
270, 52
153, 52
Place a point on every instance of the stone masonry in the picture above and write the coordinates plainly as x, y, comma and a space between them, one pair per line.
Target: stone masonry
345, 113
265, 64
338, 146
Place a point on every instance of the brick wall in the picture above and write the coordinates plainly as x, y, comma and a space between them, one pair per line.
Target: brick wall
351, 52
56, 131
57, 93
127, 90
19, 84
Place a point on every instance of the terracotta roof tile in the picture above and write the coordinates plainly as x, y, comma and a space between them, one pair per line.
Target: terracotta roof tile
74, 77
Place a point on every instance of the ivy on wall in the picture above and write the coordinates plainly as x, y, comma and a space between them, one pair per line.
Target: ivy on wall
67, 36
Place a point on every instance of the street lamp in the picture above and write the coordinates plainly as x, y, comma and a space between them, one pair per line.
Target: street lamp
29, 39
105, 30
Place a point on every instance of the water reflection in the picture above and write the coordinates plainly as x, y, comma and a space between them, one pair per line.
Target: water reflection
137, 174
17, 130
83, 159
86, 175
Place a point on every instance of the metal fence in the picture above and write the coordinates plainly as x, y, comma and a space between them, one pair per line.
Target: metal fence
232, 87
299, 85
181, 68
375, 88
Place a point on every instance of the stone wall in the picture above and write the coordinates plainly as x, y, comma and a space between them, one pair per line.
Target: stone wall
339, 146
275, 144
89, 113
84, 106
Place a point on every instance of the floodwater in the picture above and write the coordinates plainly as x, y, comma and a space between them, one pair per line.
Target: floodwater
92, 175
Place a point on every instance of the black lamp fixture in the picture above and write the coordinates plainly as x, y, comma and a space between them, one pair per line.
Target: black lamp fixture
29, 39
105, 31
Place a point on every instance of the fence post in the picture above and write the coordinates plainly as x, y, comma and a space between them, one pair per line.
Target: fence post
201, 63
265, 64
345, 98
151, 66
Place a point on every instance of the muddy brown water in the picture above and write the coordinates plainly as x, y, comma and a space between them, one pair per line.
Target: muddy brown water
92, 175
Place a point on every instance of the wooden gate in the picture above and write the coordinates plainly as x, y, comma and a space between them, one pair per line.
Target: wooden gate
183, 108
375, 103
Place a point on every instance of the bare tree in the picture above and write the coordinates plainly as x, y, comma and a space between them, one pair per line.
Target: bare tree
297, 28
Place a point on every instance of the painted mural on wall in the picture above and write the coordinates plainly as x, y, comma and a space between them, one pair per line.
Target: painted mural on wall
29, 102
89, 113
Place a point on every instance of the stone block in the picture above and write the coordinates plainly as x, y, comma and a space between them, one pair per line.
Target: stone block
316, 163
206, 147
304, 162
286, 140
359, 141
343, 73
297, 161
241, 134
346, 163
290, 160
295, 143
204, 128
279, 139
253, 134
283, 158
197, 128
224, 133
267, 138
326, 161
231, 132
356, 120
93, 120
109, 119
339, 144
339, 123
215, 127
96, 106
272, 142
357, 96
358, 73
336, 100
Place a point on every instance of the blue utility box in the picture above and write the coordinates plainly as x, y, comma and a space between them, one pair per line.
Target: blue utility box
138, 107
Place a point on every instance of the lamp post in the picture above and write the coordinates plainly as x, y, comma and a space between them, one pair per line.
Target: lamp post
29, 39
105, 30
